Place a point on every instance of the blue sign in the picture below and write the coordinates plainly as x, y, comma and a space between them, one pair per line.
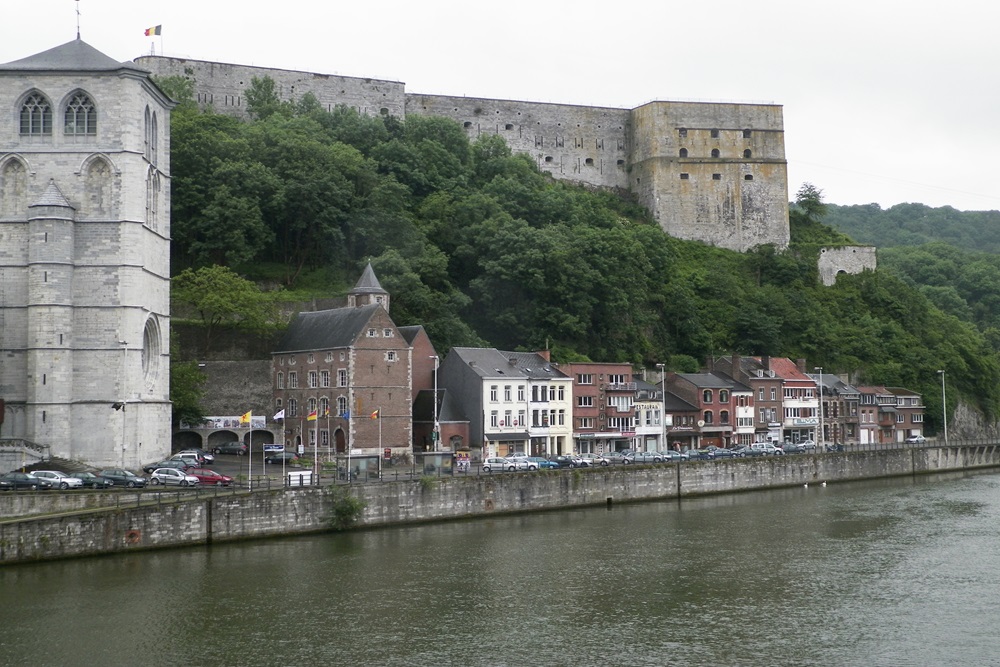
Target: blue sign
274, 448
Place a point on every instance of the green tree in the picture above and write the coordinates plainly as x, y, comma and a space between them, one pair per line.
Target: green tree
216, 297
187, 384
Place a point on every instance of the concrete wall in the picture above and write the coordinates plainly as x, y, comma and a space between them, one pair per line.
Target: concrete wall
221, 517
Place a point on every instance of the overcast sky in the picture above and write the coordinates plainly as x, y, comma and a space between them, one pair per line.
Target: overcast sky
884, 101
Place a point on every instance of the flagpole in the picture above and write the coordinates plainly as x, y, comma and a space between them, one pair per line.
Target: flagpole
316, 450
379, 413
250, 460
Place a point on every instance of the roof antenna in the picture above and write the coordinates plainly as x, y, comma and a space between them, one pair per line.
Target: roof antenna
78, 19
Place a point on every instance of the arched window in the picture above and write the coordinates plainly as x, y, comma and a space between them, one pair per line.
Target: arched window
747, 153
152, 198
98, 184
724, 417
715, 152
281, 381
13, 188
145, 135
154, 136
723, 396
706, 396
324, 407
151, 352
684, 152
707, 417
80, 117
36, 116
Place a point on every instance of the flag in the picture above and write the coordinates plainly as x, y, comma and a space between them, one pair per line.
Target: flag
245, 419
346, 415
375, 414
326, 413
155, 30
312, 416
280, 414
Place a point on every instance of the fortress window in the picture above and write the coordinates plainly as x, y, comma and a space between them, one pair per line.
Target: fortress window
467, 125
685, 177
548, 158
508, 126
81, 116
621, 163
589, 162
747, 153
36, 116
746, 134
716, 177
715, 152
748, 177
684, 152
682, 132
715, 134
384, 111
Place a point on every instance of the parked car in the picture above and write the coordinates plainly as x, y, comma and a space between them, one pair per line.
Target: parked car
179, 463
671, 456
915, 440
208, 457
281, 457
497, 463
543, 463
619, 457
23, 480
645, 457
793, 448
122, 477
206, 476
767, 448
522, 463
594, 459
60, 479
808, 445
235, 447
93, 481
172, 476
569, 461
720, 452
190, 455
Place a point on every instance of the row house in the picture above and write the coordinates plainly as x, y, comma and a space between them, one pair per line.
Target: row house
514, 402
604, 412
766, 390
878, 415
713, 395
909, 413
840, 404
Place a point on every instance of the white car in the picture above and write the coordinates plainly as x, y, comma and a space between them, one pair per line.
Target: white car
167, 476
60, 479
497, 463
912, 440
522, 463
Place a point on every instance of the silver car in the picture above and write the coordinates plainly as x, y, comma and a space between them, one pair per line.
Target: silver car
168, 476
59, 479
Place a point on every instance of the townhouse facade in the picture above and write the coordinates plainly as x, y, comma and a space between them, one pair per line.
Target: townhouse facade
604, 412
909, 413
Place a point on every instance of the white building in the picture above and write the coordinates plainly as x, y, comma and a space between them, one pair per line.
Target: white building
84, 258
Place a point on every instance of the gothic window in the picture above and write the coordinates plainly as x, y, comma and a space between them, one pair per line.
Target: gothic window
98, 182
152, 198
13, 188
151, 352
153, 141
146, 134
81, 116
36, 116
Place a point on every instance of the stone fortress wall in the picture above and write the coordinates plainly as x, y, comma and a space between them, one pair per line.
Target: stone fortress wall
710, 172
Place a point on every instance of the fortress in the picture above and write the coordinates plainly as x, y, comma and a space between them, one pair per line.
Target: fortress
711, 172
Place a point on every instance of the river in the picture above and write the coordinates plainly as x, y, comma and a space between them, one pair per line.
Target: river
897, 573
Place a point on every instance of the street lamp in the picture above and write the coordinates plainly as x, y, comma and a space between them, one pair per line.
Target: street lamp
663, 408
944, 409
822, 435
434, 434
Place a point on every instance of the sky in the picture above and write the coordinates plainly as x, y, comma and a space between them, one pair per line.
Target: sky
884, 101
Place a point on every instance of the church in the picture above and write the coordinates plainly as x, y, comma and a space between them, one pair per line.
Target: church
84, 259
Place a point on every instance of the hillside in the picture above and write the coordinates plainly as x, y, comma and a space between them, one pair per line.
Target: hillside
482, 249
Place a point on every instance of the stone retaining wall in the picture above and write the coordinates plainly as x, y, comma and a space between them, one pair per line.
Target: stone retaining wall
87, 530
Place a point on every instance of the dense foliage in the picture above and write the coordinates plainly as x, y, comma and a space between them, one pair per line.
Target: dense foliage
481, 248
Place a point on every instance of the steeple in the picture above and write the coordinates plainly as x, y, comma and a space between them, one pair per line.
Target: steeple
368, 291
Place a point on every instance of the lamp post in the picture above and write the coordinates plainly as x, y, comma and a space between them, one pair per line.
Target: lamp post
821, 434
944, 409
434, 434
663, 408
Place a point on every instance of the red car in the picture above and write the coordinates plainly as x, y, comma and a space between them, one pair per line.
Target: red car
206, 476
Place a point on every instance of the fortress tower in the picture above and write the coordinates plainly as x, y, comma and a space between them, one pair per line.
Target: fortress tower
84, 257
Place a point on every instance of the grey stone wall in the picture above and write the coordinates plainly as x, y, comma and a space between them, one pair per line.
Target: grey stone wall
227, 516
847, 259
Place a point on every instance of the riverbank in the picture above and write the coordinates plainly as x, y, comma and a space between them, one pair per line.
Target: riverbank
59, 530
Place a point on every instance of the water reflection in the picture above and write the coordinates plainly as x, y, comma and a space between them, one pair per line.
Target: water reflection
896, 572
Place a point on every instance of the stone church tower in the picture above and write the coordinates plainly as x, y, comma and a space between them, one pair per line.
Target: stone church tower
84, 257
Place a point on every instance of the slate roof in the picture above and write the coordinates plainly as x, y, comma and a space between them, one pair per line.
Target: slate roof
74, 56
326, 329
409, 333
486, 362
674, 403
448, 409
52, 197
368, 283
533, 365
714, 381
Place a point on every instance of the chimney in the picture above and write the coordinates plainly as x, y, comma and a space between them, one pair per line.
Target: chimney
544, 354
736, 372
801, 365
765, 363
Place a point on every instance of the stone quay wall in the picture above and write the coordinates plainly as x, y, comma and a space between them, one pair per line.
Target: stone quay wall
60, 525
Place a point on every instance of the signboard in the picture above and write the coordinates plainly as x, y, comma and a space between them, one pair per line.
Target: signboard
229, 422
273, 448
386, 454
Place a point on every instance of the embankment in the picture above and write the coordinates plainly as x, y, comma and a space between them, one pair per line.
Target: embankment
47, 526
